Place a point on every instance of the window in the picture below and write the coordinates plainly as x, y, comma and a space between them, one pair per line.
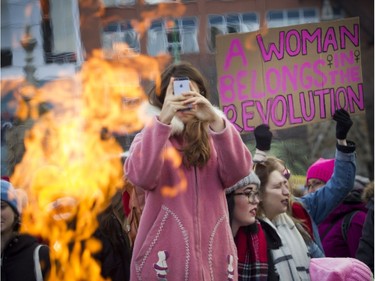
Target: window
281, 18
309, 15
120, 39
156, 2
61, 38
54, 24
250, 22
233, 23
293, 17
116, 3
230, 23
173, 36
189, 35
156, 39
6, 57
174, 40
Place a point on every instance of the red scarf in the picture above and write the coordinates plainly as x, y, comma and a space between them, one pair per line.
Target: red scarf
252, 253
300, 213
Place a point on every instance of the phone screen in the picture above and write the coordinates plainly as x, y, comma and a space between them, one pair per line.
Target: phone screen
181, 85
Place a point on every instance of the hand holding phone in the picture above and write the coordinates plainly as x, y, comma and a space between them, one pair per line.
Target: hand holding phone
181, 85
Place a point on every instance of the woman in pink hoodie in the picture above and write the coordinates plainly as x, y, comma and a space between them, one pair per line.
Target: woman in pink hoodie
184, 159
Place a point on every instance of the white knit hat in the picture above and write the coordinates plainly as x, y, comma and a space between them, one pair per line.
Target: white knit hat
252, 178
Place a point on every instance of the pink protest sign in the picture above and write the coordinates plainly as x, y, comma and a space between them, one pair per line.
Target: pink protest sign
290, 76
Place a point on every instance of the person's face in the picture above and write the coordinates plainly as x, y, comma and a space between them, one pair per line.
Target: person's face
8, 217
246, 200
275, 199
313, 185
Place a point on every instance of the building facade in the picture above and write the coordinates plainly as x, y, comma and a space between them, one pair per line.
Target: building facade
68, 32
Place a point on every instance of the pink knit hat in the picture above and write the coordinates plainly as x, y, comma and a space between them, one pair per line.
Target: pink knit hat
322, 169
339, 269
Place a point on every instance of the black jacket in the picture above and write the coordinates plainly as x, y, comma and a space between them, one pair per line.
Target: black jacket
365, 251
115, 255
17, 259
273, 242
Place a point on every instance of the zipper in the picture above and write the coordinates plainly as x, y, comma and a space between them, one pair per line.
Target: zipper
197, 223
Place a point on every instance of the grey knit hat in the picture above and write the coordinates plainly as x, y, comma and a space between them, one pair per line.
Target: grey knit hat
252, 178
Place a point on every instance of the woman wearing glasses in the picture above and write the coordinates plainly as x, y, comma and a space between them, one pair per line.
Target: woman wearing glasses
243, 200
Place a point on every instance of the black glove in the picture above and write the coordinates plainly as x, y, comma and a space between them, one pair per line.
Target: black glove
263, 137
343, 124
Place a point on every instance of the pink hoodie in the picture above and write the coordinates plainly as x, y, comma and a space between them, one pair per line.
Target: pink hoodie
186, 236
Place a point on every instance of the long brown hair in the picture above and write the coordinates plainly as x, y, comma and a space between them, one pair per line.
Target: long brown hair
263, 170
196, 150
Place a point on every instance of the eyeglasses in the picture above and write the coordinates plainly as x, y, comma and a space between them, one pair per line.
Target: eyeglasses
312, 186
251, 195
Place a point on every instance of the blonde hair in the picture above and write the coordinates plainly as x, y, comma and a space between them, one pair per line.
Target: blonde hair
263, 171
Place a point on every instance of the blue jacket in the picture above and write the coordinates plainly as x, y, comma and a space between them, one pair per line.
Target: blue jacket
322, 202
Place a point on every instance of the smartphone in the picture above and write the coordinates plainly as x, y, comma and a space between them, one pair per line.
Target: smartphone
181, 85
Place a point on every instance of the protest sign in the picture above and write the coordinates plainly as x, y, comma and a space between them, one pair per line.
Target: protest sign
290, 76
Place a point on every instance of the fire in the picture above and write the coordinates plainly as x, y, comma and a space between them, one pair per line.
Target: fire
251, 39
70, 168
172, 155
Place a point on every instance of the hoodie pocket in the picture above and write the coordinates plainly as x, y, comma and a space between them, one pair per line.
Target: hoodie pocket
166, 250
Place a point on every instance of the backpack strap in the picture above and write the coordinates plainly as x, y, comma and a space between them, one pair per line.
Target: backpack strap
346, 223
329, 228
38, 270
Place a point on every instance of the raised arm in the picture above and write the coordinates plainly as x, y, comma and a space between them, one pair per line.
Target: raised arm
321, 202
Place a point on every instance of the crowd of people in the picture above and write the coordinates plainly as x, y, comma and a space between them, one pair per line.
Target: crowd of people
232, 215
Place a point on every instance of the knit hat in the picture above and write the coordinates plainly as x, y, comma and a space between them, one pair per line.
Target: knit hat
10, 195
339, 269
252, 178
360, 183
322, 169
355, 195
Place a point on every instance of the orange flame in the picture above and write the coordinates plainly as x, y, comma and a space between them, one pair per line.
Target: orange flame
172, 155
250, 39
69, 170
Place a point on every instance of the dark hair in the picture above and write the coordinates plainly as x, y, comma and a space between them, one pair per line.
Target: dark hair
17, 223
231, 204
252, 228
182, 69
111, 223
